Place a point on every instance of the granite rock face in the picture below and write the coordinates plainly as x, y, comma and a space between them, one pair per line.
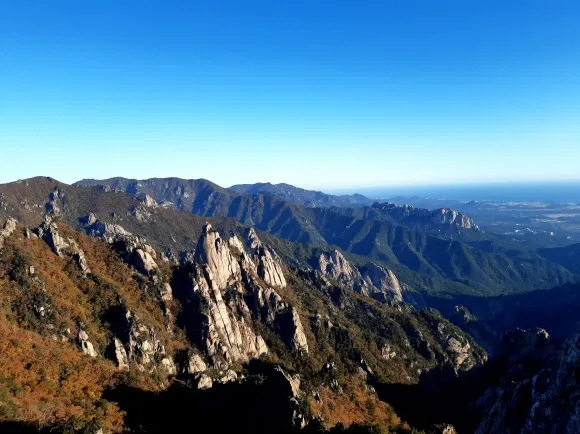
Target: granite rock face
443, 218
225, 336
268, 264
8, 229
335, 266
382, 283
48, 231
225, 287
214, 252
371, 280
140, 344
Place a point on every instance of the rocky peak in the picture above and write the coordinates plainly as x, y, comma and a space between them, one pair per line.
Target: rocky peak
224, 333
268, 263
54, 204
48, 231
335, 266
137, 253
412, 216
214, 252
447, 216
109, 231
149, 202
382, 282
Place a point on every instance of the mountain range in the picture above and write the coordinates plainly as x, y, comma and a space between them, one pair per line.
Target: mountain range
292, 311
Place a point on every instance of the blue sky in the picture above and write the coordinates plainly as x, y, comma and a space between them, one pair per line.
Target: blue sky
322, 94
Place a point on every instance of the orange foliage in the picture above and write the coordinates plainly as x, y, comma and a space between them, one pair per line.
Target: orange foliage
47, 382
357, 405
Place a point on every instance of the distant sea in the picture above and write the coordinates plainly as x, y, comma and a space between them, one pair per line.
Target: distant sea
552, 191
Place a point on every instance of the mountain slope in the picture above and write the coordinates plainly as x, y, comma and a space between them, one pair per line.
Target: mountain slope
104, 322
568, 256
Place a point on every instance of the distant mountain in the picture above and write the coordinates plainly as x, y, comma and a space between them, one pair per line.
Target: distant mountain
430, 243
444, 222
309, 198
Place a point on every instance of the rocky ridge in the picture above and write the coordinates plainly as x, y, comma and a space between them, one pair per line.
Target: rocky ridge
439, 218
371, 280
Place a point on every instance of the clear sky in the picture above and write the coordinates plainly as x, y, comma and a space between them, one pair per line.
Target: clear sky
316, 93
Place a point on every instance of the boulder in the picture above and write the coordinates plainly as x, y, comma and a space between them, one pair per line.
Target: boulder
86, 346
196, 365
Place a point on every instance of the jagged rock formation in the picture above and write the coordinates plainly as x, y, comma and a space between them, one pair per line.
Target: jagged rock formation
335, 266
139, 344
54, 204
224, 337
382, 283
48, 231
451, 217
109, 231
224, 283
291, 384
214, 252
458, 349
9, 228
120, 354
442, 218
268, 263
81, 260
371, 280
196, 365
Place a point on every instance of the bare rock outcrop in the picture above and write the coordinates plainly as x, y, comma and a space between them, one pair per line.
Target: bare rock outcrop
268, 306
140, 345
335, 266
55, 202
196, 365
268, 264
48, 231
8, 229
79, 257
225, 336
86, 346
458, 349
120, 354
451, 217
226, 290
214, 251
381, 283
145, 261
109, 231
